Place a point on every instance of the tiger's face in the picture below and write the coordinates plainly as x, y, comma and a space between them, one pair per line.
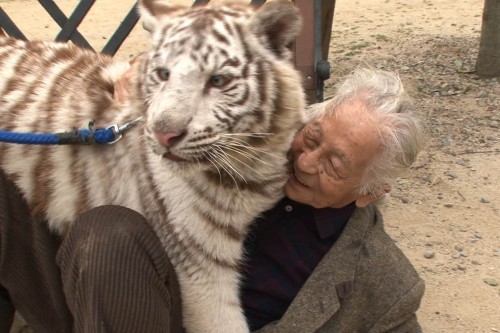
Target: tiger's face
211, 82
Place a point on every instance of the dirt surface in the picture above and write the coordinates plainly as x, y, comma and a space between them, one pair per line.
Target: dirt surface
445, 214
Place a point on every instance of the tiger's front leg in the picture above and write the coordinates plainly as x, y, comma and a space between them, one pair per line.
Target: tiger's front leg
212, 306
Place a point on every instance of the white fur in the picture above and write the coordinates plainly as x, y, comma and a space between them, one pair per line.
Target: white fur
179, 197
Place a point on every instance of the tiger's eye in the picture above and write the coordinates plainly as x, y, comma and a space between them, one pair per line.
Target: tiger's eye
163, 73
218, 81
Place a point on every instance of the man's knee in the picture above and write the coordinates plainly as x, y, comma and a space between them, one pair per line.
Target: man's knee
111, 262
110, 222
106, 233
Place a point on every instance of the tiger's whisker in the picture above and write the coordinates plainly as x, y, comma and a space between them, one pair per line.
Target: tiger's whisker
245, 164
242, 150
225, 168
207, 156
224, 157
254, 158
241, 143
250, 135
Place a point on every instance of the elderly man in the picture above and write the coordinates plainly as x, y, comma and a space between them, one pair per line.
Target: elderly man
319, 261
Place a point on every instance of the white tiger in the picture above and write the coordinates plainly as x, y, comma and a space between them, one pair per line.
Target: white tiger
220, 102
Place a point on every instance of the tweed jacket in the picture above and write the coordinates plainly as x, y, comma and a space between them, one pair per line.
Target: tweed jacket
364, 284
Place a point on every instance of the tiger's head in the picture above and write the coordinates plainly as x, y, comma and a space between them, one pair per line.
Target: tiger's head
220, 91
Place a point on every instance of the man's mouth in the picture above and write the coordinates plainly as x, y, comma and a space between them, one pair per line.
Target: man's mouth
297, 178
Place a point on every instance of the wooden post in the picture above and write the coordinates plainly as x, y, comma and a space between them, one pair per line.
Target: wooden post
488, 59
306, 57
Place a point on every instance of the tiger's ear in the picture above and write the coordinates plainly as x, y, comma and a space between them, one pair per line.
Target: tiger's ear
152, 11
277, 24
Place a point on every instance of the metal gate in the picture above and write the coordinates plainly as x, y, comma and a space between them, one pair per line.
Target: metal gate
310, 49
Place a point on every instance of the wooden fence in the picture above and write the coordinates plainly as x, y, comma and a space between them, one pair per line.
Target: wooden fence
310, 48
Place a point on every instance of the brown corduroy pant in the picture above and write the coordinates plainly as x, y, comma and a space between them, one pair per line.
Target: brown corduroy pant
108, 274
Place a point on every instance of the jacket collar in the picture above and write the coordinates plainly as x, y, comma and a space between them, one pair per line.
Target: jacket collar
318, 299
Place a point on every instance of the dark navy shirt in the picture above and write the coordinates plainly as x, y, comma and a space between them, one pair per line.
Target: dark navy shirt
282, 250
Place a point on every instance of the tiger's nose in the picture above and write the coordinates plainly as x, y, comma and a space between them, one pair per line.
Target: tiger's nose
169, 138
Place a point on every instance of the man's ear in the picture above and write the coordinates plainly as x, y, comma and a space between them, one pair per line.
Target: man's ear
367, 199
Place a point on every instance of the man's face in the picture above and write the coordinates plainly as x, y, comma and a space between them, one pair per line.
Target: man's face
329, 157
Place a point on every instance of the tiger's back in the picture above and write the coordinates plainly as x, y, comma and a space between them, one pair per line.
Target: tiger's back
48, 87
39, 79
220, 103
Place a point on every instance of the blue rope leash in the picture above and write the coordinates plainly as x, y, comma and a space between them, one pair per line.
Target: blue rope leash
85, 137
88, 136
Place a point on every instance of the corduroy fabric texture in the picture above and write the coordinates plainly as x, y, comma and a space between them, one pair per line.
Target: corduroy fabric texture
29, 276
108, 274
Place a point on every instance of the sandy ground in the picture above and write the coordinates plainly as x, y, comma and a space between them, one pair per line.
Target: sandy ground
445, 214
447, 209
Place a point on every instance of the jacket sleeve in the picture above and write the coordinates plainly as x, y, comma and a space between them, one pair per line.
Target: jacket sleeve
269, 328
401, 316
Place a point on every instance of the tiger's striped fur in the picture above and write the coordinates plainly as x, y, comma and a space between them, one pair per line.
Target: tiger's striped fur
221, 103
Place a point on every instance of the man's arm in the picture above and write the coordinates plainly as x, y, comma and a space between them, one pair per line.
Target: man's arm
401, 317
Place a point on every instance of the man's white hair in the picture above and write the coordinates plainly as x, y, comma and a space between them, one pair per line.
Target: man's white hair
401, 131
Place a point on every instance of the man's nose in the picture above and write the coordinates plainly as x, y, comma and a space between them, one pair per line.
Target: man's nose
308, 162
